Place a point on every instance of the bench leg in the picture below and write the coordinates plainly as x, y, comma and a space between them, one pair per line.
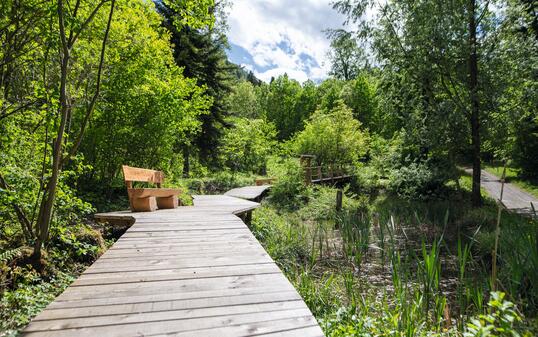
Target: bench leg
148, 204
168, 202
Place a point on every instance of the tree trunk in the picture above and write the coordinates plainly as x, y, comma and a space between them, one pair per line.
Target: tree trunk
49, 194
186, 162
476, 196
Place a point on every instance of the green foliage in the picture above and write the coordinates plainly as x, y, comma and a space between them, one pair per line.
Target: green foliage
30, 296
417, 180
317, 293
195, 14
201, 53
280, 106
288, 191
333, 136
75, 244
499, 321
9, 254
246, 146
526, 147
147, 101
285, 240
360, 95
244, 101
346, 57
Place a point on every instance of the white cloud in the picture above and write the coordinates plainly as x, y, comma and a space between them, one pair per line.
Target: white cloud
282, 36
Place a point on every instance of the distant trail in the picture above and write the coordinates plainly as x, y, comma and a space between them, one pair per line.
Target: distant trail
514, 198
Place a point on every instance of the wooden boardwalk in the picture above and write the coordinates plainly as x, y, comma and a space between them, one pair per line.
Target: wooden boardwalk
254, 193
191, 271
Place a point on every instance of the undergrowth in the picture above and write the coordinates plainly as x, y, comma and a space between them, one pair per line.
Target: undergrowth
388, 266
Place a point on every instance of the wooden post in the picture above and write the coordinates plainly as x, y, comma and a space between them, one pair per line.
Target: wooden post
339, 196
306, 162
308, 175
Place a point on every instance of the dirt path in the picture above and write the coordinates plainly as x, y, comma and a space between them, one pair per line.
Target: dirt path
514, 198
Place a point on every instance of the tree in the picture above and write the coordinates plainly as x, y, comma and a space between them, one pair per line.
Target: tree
201, 52
433, 54
246, 146
145, 97
333, 136
280, 106
243, 100
346, 57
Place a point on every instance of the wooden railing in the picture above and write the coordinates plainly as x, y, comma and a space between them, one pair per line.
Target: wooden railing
326, 173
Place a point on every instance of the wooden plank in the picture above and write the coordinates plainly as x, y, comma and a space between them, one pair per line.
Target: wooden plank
296, 327
153, 192
141, 174
192, 326
175, 274
106, 318
248, 192
186, 285
175, 294
157, 306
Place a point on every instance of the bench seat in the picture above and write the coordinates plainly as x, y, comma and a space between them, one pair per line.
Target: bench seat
153, 192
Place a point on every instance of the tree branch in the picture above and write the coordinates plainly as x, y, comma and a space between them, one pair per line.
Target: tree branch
5, 113
21, 216
93, 101
87, 21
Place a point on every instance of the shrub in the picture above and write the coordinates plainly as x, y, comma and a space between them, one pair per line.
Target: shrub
30, 297
285, 240
219, 182
499, 320
417, 181
333, 136
289, 190
246, 146
78, 243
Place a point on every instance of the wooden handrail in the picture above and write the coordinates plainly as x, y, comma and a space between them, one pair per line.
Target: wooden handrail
330, 171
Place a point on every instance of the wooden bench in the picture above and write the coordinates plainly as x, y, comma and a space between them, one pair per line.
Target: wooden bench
264, 181
148, 199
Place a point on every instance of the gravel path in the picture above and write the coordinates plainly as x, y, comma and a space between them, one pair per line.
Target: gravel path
514, 198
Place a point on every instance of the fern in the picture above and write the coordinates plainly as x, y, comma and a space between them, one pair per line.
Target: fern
10, 254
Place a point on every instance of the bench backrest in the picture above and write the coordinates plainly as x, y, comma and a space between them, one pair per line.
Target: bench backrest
131, 174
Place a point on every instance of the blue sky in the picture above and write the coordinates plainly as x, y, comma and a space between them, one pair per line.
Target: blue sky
273, 37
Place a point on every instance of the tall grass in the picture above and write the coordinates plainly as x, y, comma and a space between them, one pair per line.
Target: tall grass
396, 268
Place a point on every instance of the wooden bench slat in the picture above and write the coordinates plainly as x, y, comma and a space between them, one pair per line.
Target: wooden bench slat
153, 192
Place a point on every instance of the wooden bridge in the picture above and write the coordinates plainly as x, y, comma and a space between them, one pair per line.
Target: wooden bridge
191, 271
323, 174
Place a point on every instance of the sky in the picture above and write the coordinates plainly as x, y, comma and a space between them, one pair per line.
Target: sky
273, 37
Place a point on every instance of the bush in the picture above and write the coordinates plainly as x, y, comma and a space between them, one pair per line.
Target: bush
289, 191
285, 240
500, 320
526, 147
79, 243
333, 136
246, 146
30, 297
219, 183
417, 181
